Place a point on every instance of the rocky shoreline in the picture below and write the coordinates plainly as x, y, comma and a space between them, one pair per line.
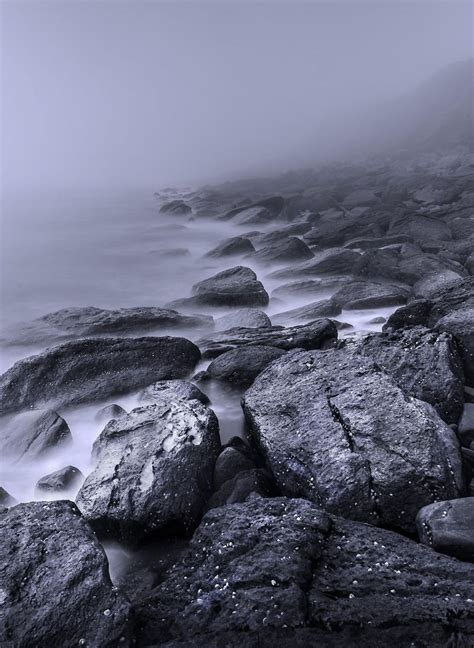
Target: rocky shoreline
341, 312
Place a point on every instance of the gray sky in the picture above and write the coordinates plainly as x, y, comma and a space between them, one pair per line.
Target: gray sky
150, 93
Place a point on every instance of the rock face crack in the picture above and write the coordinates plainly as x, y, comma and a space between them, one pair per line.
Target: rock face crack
343, 424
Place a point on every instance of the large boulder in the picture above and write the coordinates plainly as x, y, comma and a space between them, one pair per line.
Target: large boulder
415, 313
448, 527
421, 227
321, 421
424, 363
319, 334
94, 369
286, 250
55, 586
230, 247
32, 434
242, 365
282, 572
244, 317
169, 390
460, 324
153, 471
367, 294
89, 321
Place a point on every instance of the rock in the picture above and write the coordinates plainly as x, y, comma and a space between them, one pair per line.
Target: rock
153, 471
452, 298
61, 480
176, 207
448, 527
321, 421
233, 287
245, 317
253, 482
109, 412
466, 422
281, 234
420, 227
242, 365
331, 261
460, 324
377, 242
6, 500
173, 252
261, 212
309, 312
229, 463
170, 390
94, 369
366, 294
415, 313
233, 246
319, 334
56, 589
289, 249
33, 434
87, 322
360, 197
282, 572
377, 320
312, 286
430, 286
425, 364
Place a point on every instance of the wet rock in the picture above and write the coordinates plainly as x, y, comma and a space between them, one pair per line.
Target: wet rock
109, 412
448, 527
33, 434
6, 500
366, 294
424, 363
245, 317
319, 334
175, 207
320, 420
232, 246
169, 390
94, 369
242, 365
61, 480
282, 572
88, 322
289, 249
331, 261
55, 584
309, 312
415, 313
153, 471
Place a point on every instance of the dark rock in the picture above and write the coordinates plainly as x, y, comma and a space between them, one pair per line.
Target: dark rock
377, 320
6, 500
61, 480
88, 322
415, 313
255, 481
94, 369
109, 412
425, 364
32, 434
170, 390
366, 294
177, 207
331, 261
289, 249
448, 527
245, 317
56, 589
232, 246
282, 572
230, 462
321, 421
242, 365
153, 471
319, 334
430, 286
466, 422
309, 312
460, 324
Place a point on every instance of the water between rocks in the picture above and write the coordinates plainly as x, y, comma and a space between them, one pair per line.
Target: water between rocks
116, 251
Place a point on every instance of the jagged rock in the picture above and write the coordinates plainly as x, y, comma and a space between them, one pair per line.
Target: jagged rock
289, 249
169, 390
177, 207
242, 365
6, 500
153, 471
32, 434
415, 313
319, 334
94, 369
109, 412
88, 321
232, 246
309, 312
448, 527
321, 421
61, 480
282, 572
55, 586
331, 261
245, 317
366, 294
424, 363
